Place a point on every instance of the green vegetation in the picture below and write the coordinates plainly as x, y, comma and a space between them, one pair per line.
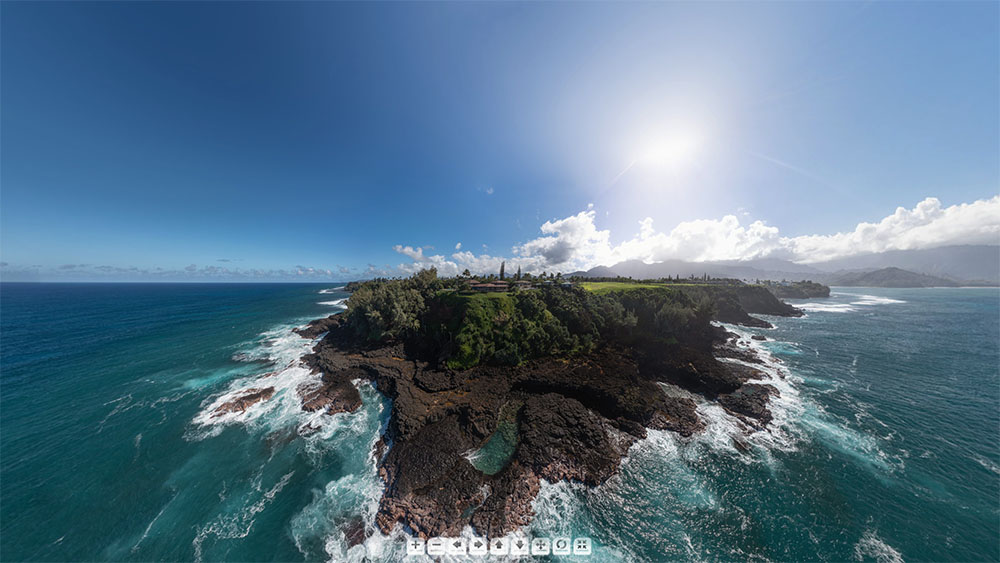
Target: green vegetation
796, 290
449, 326
608, 286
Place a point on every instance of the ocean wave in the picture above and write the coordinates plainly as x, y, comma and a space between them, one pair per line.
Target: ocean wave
874, 300
986, 463
279, 346
795, 418
351, 499
335, 303
337, 289
238, 525
826, 307
870, 546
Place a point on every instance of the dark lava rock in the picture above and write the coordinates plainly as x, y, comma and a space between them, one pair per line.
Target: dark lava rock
729, 310
758, 300
562, 439
758, 337
732, 349
690, 369
750, 401
355, 531
317, 327
678, 415
334, 394
430, 485
244, 401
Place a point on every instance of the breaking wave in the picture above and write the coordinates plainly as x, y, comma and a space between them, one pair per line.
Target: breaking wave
874, 300
870, 546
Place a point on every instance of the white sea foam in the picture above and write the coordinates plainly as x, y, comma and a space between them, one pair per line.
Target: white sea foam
335, 303
337, 289
870, 546
826, 307
279, 346
874, 300
858, 300
986, 463
794, 418
238, 525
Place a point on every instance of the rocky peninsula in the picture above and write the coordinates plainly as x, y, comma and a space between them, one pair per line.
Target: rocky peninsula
493, 392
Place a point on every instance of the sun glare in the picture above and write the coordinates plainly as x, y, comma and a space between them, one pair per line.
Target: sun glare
669, 152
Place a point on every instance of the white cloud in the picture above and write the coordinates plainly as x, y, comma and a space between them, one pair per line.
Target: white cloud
458, 246
925, 226
576, 243
417, 254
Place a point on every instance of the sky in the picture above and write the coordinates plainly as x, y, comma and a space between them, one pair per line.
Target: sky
336, 141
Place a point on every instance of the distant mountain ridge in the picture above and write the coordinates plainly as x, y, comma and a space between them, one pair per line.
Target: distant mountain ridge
964, 262
890, 277
947, 266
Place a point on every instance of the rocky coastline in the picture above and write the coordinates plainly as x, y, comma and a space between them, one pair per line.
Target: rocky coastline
573, 418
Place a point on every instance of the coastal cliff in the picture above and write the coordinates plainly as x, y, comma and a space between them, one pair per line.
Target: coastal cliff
798, 290
493, 393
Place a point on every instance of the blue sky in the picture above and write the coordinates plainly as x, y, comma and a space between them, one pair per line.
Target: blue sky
356, 138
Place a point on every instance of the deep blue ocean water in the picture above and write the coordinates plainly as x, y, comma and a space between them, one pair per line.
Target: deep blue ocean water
885, 444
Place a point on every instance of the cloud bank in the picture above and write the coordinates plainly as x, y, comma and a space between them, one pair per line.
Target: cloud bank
576, 243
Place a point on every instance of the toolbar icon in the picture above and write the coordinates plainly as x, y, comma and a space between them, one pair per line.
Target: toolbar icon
562, 546
436, 546
415, 546
499, 546
520, 546
541, 546
477, 546
581, 546
456, 546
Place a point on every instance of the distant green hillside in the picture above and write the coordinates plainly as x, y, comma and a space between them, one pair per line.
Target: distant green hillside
890, 277
445, 322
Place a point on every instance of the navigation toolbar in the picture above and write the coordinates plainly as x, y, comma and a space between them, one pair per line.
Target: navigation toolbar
517, 546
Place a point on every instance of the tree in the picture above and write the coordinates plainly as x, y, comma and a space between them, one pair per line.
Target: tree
518, 275
501, 269
466, 273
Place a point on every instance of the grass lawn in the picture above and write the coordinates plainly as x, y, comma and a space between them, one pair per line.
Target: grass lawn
605, 287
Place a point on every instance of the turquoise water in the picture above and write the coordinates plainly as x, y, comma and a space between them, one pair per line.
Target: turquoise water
885, 445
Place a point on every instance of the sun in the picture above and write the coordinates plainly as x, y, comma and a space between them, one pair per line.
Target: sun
671, 152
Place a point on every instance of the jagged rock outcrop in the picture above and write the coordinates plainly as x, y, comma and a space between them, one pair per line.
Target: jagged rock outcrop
241, 403
575, 419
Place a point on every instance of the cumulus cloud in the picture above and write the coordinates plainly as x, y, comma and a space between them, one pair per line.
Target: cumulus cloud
417, 254
927, 225
576, 243
458, 246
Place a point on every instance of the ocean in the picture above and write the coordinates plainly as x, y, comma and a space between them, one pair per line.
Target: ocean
885, 445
